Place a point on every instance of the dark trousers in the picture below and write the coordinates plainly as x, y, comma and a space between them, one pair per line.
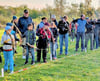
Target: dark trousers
42, 45
82, 36
44, 54
87, 37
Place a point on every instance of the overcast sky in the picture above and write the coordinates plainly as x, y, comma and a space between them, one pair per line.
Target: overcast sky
39, 4
30, 3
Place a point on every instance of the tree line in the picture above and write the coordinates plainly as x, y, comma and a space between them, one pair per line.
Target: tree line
60, 8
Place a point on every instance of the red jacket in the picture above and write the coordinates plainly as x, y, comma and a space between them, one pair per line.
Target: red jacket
42, 32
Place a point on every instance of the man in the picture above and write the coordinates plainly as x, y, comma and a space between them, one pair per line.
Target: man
96, 34
63, 27
22, 25
80, 32
89, 34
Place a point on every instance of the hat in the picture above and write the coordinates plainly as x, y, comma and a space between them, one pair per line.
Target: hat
87, 18
73, 18
47, 24
25, 11
53, 16
14, 17
9, 24
7, 28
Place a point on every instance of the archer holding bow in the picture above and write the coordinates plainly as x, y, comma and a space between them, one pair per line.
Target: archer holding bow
8, 45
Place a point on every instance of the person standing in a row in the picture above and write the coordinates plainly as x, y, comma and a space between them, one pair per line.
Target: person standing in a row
63, 27
89, 34
44, 36
96, 34
22, 25
53, 42
7, 41
80, 32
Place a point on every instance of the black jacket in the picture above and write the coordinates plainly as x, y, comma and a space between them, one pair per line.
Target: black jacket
89, 28
55, 33
63, 27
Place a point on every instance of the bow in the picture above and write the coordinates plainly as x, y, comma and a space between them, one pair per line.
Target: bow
12, 39
20, 34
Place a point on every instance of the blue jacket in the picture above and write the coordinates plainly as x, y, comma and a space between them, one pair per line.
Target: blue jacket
23, 23
81, 25
30, 37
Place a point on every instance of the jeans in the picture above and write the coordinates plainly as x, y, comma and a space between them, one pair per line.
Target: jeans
30, 50
8, 56
82, 36
96, 40
65, 38
53, 47
87, 37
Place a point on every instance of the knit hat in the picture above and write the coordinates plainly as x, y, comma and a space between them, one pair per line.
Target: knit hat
9, 24
14, 17
53, 16
47, 24
87, 18
7, 28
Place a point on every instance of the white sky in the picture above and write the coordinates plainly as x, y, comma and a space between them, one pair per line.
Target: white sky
39, 4
30, 3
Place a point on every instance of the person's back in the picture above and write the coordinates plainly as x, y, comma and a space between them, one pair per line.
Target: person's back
81, 25
80, 32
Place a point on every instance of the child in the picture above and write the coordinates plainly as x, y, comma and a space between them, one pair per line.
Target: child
15, 37
7, 42
53, 42
44, 36
30, 40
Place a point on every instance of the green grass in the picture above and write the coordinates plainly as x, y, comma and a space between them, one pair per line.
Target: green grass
83, 67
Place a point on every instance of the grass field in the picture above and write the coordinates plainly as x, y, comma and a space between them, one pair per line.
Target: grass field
83, 67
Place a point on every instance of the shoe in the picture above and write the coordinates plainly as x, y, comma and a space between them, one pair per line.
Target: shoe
11, 72
45, 61
32, 63
14, 65
24, 57
16, 52
85, 50
25, 63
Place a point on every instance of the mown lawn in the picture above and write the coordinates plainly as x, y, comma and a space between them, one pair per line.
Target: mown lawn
83, 67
